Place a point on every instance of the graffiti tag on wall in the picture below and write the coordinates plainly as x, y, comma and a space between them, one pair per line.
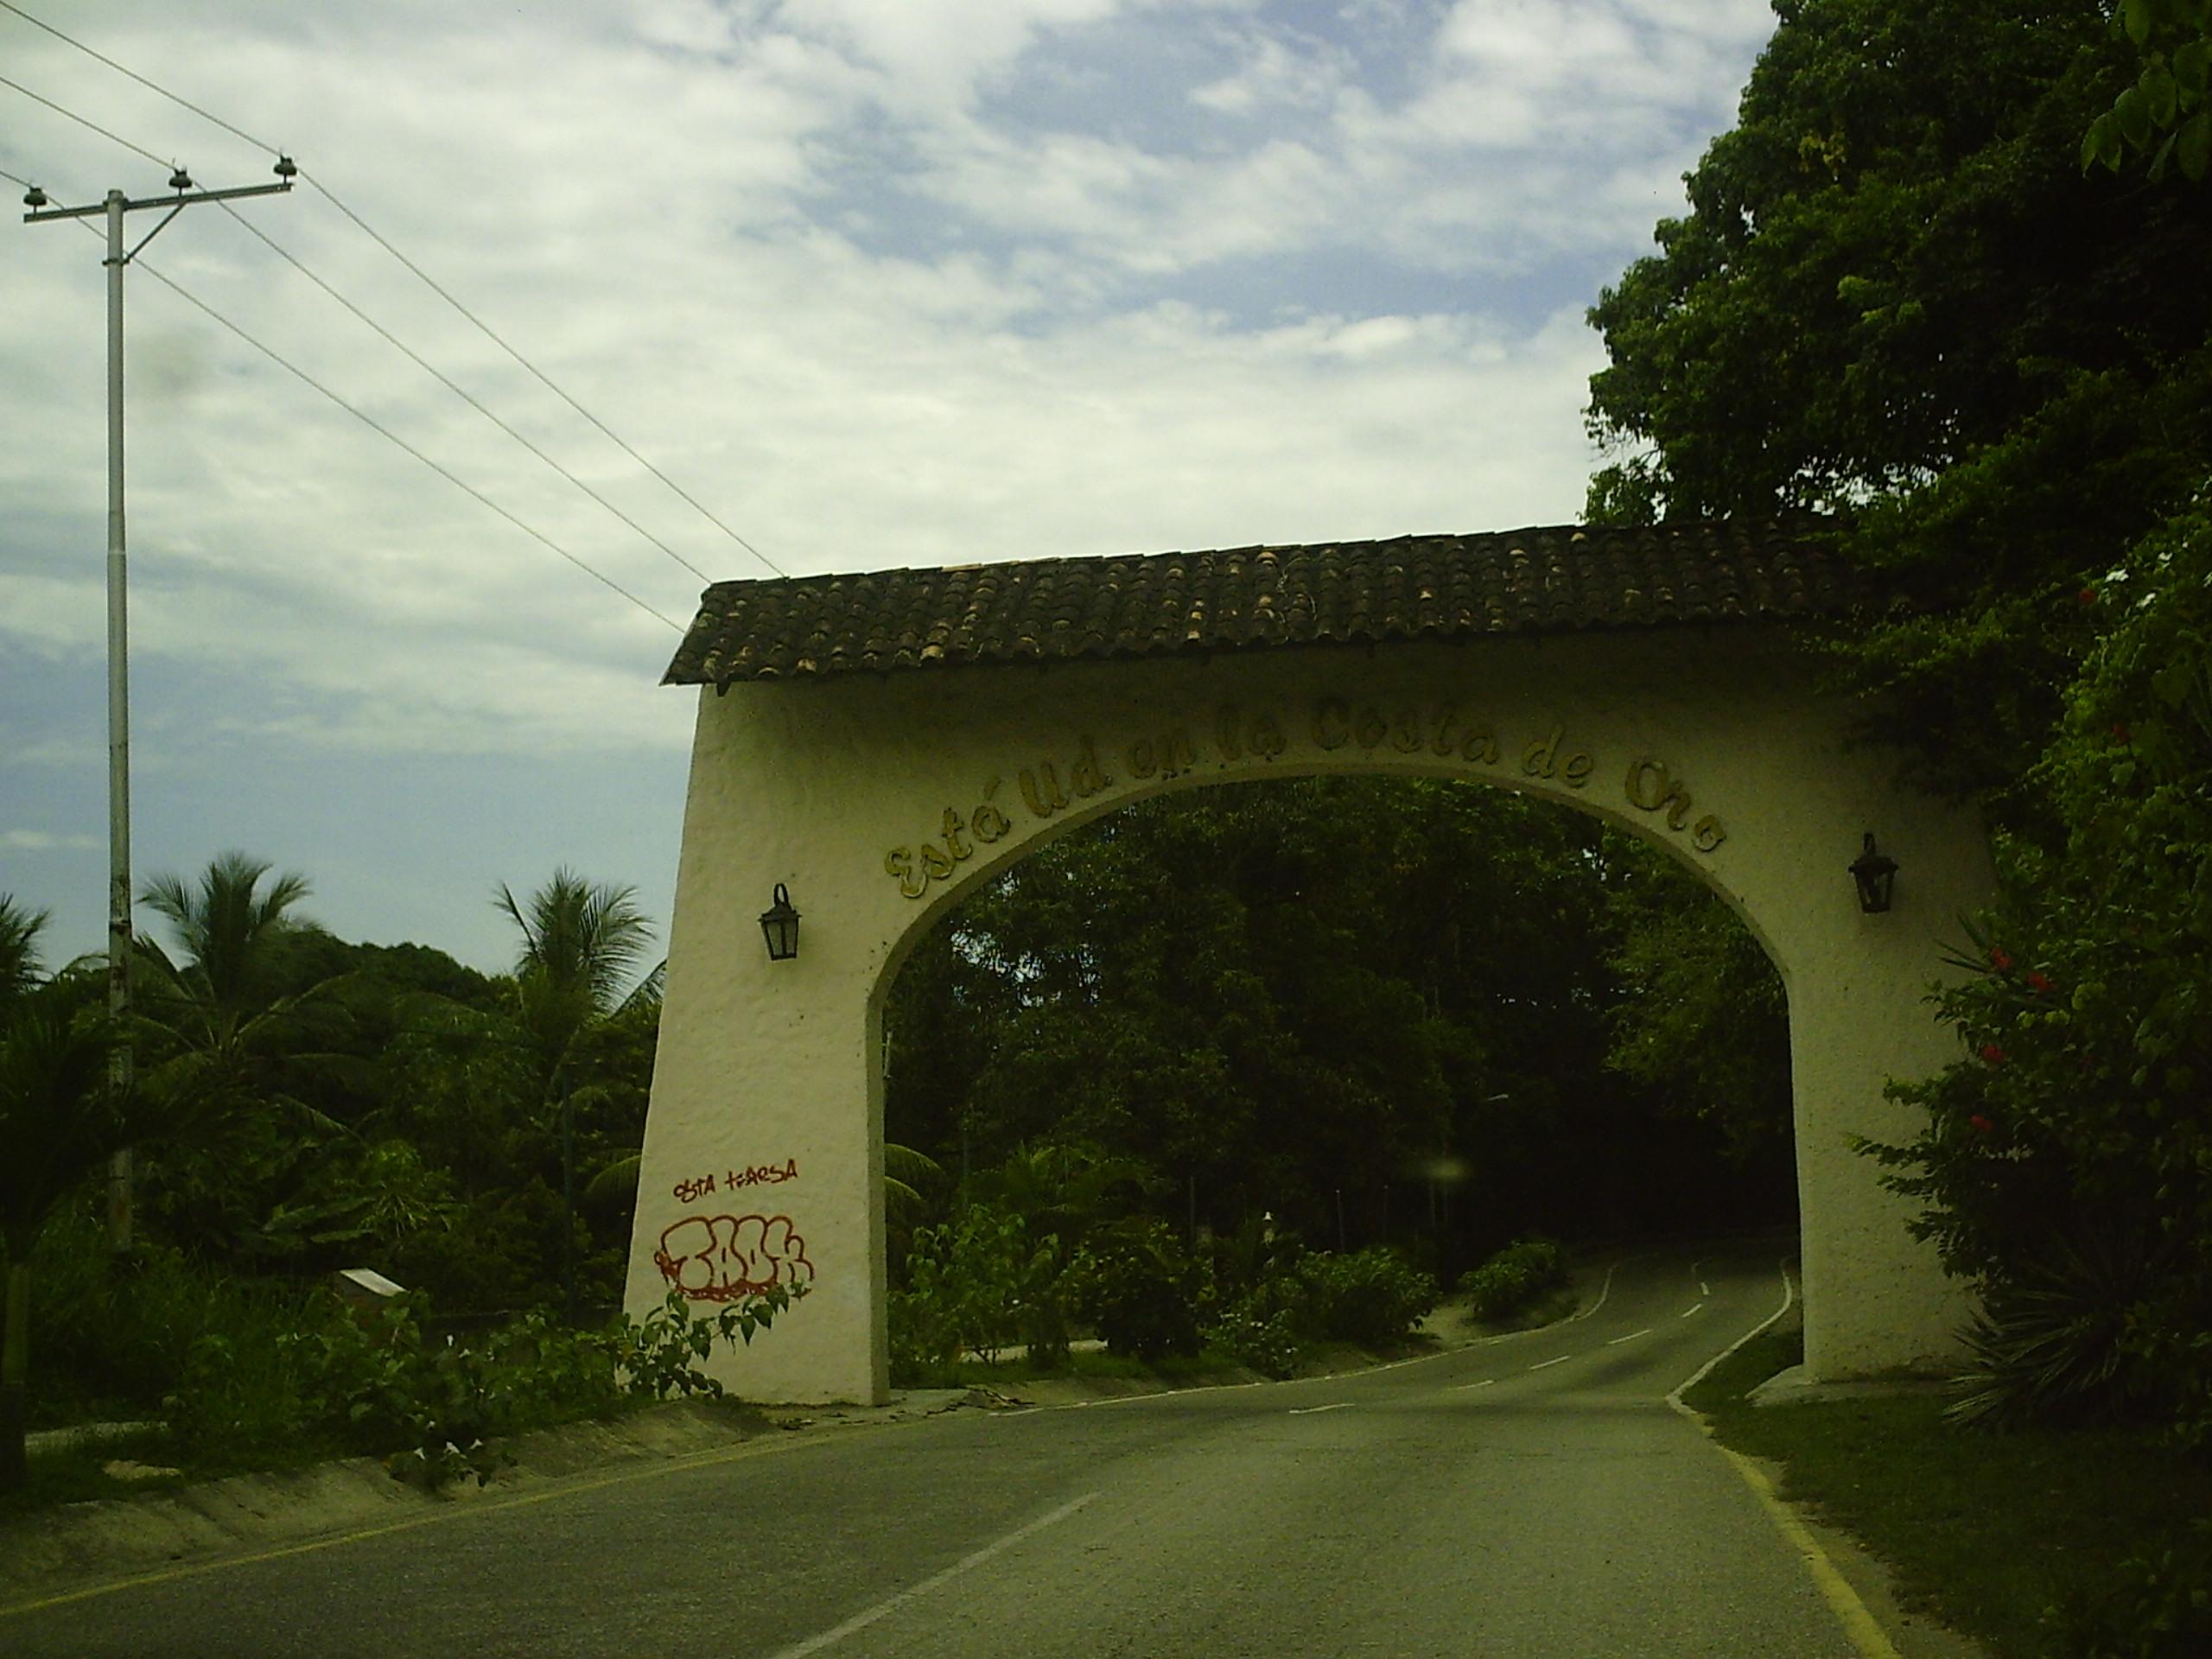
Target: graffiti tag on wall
722, 1258
698, 1186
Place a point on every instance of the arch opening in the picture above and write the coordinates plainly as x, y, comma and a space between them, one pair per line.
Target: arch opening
1360, 1011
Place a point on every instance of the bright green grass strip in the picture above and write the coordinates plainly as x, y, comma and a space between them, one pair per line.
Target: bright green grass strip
1988, 1531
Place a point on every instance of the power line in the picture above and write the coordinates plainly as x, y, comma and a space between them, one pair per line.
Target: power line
488, 332
134, 75
429, 369
159, 160
492, 335
390, 338
376, 426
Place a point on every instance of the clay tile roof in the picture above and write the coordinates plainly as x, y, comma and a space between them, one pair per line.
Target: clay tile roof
1560, 580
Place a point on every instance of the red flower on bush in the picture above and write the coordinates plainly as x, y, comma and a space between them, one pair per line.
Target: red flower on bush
2119, 732
2039, 983
2087, 596
1998, 958
1980, 1124
1993, 1054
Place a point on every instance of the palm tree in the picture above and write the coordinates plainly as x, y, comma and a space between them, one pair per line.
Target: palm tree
582, 942
222, 991
221, 999
582, 938
61, 1117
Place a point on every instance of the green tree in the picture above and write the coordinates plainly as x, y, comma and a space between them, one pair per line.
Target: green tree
2068, 1161
231, 930
1701, 1020
576, 977
61, 1119
1896, 298
1376, 1009
224, 991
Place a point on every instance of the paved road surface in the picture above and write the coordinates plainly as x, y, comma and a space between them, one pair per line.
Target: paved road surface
1531, 1496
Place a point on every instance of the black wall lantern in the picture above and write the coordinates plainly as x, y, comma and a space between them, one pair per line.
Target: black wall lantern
779, 922
1875, 873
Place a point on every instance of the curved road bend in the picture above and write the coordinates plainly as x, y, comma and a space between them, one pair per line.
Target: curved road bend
1531, 1496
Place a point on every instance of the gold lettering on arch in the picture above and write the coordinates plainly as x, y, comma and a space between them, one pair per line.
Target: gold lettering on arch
1244, 735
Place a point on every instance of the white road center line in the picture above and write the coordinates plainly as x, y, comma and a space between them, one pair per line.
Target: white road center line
1543, 1364
1700, 1308
1461, 1387
1631, 1337
1307, 1411
860, 1621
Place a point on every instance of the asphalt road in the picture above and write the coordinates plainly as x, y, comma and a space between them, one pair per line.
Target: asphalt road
1530, 1497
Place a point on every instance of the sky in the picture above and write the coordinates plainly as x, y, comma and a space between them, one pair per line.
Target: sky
877, 283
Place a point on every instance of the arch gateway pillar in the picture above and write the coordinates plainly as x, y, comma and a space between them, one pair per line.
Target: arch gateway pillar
880, 744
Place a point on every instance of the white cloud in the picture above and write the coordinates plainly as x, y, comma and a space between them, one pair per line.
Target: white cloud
1278, 72
881, 282
44, 841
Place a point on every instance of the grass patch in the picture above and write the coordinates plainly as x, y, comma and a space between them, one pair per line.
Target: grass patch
1990, 1532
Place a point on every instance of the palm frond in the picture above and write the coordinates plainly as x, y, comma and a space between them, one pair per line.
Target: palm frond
615, 1184
20, 968
581, 935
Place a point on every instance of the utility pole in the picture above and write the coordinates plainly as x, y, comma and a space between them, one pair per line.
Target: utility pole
119, 632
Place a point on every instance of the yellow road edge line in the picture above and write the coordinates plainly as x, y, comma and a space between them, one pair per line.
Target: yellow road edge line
459, 1512
1860, 1628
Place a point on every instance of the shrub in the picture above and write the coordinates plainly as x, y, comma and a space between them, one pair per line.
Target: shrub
976, 1283
1372, 1296
1140, 1289
1514, 1278
370, 1381
2052, 1341
1267, 1341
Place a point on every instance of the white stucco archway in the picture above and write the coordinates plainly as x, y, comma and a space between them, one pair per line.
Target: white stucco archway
880, 798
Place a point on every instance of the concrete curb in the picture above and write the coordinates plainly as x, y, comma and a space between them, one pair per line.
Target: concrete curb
54, 1550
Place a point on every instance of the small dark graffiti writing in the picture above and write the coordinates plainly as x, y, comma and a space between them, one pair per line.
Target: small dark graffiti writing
754, 1175
722, 1258
750, 1175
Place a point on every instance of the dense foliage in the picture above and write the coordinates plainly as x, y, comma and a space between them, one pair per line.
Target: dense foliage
1376, 1011
2167, 112
1899, 297
300, 1105
2068, 1164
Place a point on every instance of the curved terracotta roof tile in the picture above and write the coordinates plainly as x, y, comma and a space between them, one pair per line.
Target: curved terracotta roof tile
1563, 579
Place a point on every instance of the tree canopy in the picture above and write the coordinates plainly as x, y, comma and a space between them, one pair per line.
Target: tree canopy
1896, 298
1376, 1009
